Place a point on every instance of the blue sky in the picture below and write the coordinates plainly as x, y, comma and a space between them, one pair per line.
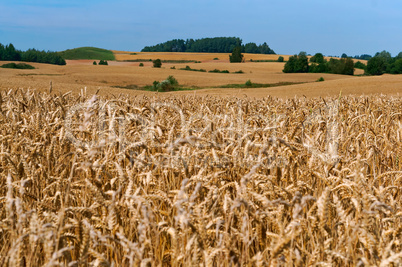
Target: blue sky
331, 27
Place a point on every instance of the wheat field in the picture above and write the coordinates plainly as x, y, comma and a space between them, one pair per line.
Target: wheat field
184, 180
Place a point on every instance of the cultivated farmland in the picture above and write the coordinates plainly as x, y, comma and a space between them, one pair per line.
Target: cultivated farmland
120, 75
199, 180
93, 173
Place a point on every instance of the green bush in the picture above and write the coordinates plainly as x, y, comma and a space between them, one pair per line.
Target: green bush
189, 68
166, 85
321, 79
319, 68
281, 59
216, 58
360, 65
219, 71
103, 62
172, 80
215, 71
141, 64
94, 63
239, 71
248, 83
17, 66
157, 63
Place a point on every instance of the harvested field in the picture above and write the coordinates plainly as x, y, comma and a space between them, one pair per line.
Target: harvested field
78, 74
222, 57
180, 180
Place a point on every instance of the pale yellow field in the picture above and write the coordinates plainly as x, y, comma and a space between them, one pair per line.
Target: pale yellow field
78, 74
123, 55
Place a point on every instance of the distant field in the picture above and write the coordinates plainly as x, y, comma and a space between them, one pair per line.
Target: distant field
87, 53
78, 74
123, 55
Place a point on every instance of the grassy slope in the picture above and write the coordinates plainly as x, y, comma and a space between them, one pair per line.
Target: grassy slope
88, 53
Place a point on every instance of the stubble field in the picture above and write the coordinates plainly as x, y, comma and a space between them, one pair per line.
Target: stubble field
78, 74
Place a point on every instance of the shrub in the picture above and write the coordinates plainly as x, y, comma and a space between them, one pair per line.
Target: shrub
94, 63
360, 65
239, 71
189, 68
103, 62
173, 68
216, 58
17, 66
166, 85
248, 83
141, 64
157, 63
219, 71
215, 71
321, 79
172, 80
319, 68
155, 85
281, 59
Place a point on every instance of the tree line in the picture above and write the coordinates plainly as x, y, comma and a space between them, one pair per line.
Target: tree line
9, 53
318, 64
209, 45
380, 63
383, 62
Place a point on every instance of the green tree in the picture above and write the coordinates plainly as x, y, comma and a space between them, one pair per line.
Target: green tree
385, 55
236, 55
290, 64
319, 68
297, 63
157, 63
281, 59
317, 58
251, 48
265, 49
2, 51
10, 53
396, 67
349, 66
376, 66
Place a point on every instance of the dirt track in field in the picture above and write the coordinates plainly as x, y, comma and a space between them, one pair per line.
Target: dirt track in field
78, 74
